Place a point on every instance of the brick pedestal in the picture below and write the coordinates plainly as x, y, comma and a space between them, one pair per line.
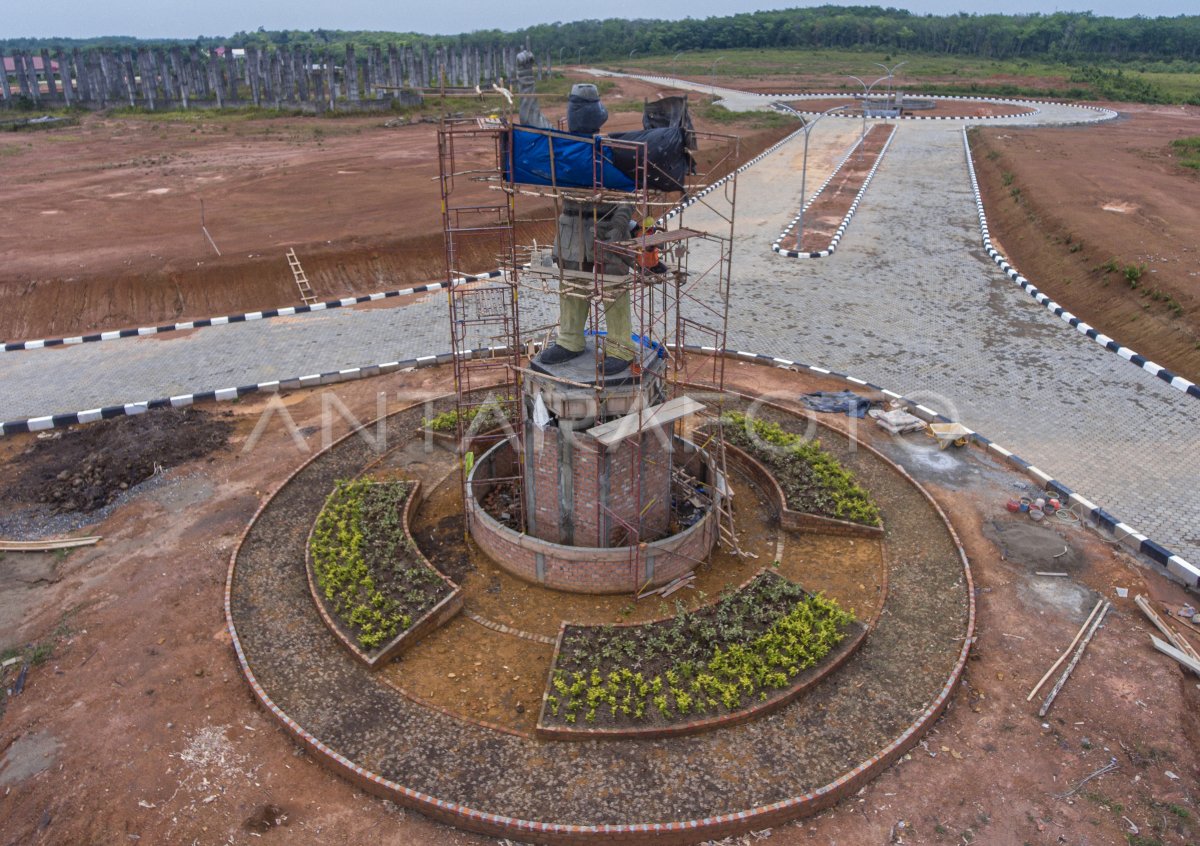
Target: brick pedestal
580, 493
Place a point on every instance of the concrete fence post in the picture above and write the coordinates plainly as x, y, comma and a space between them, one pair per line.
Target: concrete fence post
22, 74
252, 74
4, 92
351, 74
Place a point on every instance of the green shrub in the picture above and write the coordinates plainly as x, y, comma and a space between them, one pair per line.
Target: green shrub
754, 640
812, 479
364, 565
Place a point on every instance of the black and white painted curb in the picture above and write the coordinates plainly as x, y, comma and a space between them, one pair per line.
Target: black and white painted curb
346, 301
1178, 382
58, 421
242, 318
695, 198
841, 230
1174, 565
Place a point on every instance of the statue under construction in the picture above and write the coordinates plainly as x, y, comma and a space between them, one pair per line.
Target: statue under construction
589, 463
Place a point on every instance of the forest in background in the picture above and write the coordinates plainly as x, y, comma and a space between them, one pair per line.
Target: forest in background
1060, 36
1139, 59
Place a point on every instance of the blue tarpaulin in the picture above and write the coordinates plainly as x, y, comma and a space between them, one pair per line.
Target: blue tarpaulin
573, 159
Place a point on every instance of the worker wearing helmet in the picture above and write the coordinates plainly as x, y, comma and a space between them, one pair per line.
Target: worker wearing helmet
580, 225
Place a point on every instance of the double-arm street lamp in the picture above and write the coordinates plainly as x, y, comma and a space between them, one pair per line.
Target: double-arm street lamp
713, 73
866, 93
808, 128
891, 74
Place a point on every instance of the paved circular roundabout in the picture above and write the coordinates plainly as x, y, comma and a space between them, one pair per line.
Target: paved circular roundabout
464, 771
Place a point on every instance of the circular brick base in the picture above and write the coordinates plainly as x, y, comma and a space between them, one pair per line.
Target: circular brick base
583, 569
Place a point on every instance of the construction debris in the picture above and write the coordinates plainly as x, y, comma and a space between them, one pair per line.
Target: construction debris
1062, 680
1190, 658
1066, 652
671, 586
47, 544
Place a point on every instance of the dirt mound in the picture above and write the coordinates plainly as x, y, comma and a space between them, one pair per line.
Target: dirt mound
87, 468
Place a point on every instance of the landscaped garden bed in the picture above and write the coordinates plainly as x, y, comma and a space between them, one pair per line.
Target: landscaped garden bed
753, 650
375, 589
812, 481
445, 425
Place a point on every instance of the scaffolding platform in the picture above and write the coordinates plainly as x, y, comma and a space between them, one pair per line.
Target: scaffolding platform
574, 391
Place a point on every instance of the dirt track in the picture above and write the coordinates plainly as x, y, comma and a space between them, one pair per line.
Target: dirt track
1063, 202
100, 224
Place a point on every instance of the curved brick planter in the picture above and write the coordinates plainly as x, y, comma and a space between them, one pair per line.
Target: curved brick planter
583, 569
800, 521
775, 700
440, 613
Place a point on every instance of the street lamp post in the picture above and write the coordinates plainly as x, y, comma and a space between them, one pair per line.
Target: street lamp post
713, 73
674, 60
866, 93
891, 73
804, 177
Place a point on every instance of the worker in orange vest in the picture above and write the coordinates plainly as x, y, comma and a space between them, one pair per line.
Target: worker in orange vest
648, 259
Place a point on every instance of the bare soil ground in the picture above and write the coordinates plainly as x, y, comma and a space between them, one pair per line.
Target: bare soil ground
136, 721
100, 223
1074, 207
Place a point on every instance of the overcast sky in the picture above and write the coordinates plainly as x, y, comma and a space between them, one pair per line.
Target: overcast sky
154, 18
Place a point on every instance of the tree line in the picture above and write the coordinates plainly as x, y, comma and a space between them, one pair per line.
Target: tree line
1073, 37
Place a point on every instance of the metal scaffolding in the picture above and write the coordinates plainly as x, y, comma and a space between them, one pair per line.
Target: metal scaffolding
673, 308
484, 319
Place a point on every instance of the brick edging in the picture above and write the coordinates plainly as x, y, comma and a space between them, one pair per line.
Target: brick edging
1177, 382
681, 832
841, 230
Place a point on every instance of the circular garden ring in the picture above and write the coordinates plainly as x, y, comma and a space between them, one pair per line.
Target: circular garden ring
814, 751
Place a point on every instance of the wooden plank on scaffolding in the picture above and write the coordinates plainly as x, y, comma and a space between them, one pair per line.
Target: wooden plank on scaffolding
614, 431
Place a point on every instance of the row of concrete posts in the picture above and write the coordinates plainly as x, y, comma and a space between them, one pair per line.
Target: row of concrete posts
183, 76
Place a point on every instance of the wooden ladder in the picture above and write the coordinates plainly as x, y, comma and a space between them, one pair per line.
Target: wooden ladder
724, 499
306, 291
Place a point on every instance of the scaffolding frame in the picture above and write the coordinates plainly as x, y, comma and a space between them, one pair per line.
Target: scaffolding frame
475, 224
687, 306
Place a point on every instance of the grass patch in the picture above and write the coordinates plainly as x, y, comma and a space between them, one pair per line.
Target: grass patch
748, 120
1187, 150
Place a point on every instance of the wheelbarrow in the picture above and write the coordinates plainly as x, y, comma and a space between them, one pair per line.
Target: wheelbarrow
950, 433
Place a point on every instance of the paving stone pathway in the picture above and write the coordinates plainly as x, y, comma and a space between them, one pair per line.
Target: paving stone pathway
910, 301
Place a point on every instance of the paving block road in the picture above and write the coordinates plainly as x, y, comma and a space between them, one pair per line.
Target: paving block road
910, 301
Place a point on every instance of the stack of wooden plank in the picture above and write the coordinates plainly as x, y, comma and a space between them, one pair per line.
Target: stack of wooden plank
1178, 647
686, 580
